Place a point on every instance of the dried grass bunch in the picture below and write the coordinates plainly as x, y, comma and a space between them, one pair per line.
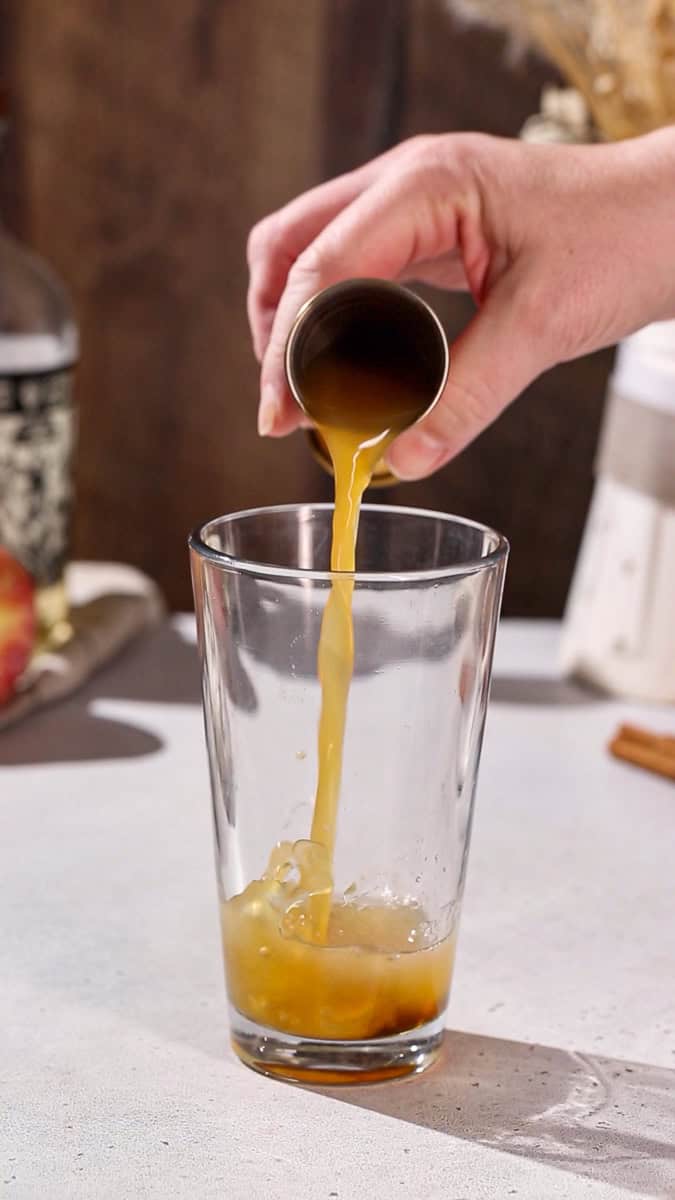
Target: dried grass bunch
620, 54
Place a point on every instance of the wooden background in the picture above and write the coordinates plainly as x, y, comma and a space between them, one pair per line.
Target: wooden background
147, 138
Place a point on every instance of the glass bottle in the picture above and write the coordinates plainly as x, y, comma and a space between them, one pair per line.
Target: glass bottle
38, 350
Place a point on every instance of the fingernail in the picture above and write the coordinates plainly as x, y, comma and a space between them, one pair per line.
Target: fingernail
267, 413
416, 454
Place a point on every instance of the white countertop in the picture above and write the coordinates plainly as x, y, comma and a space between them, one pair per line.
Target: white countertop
116, 1080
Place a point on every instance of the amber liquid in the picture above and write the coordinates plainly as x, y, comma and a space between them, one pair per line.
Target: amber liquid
300, 959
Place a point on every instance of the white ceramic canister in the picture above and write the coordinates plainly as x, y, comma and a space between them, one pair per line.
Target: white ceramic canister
619, 629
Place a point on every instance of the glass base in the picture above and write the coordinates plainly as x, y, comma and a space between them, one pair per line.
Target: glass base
313, 1060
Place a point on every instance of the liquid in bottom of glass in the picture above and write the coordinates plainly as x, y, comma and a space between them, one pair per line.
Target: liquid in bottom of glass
305, 962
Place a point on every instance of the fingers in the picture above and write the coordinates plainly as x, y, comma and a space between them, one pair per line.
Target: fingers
500, 352
276, 242
402, 219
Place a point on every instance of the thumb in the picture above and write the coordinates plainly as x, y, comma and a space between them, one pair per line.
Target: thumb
499, 353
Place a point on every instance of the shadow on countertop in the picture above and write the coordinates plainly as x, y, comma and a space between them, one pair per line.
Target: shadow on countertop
162, 667
597, 1118
548, 691
158, 667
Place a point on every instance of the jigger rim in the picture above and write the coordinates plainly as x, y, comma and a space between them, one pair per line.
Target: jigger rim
363, 284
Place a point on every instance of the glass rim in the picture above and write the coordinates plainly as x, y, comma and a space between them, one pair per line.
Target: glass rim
232, 563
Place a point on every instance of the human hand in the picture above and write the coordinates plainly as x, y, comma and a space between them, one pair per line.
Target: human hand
564, 248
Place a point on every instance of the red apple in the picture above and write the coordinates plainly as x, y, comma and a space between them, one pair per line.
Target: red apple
17, 622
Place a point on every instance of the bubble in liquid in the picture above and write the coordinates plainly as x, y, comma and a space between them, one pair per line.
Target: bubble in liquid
288, 873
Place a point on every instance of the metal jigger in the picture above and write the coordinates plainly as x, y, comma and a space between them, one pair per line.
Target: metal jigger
368, 313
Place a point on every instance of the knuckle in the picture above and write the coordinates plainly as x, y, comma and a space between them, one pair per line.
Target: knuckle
464, 158
467, 147
419, 145
261, 237
468, 407
308, 266
535, 313
422, 155
442, 160
474, 404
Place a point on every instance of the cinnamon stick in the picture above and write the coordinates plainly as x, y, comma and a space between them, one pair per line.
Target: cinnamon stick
633, 733
654, 752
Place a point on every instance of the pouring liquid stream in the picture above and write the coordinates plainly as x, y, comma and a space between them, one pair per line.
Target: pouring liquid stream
358, 414
298, 958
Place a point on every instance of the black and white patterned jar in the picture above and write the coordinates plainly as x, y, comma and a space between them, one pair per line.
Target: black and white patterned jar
38, 351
